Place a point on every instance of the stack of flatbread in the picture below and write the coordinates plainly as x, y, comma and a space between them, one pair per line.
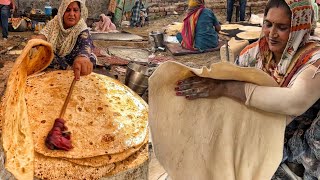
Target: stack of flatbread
248, 32
173, 29
107, 121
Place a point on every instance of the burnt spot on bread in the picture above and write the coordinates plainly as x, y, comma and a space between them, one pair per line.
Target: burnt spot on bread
43, 121
108, 138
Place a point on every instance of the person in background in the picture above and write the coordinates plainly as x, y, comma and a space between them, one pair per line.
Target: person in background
135, 14
230, 4
200, 28
105, 24
69, 35
286, 53
54, 12
4, 16
315, 16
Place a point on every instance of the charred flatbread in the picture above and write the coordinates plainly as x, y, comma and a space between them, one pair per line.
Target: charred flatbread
249, 35
103, 115
230, 26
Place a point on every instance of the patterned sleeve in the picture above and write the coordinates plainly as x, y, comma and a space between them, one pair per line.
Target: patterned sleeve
85, 44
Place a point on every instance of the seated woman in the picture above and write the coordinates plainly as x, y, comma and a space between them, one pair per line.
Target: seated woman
284, 52
105, 24
200, 28
69, 35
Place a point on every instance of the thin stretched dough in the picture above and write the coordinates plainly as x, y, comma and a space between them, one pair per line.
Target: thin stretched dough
213, 138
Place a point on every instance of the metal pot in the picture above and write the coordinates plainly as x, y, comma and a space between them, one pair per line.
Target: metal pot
158, 38
137, 77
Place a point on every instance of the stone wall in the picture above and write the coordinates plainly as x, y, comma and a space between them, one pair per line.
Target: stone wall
157, 8
95, 7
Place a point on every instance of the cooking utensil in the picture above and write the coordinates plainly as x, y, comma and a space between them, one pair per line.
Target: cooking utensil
227, 51
66, 102
137, 77
58, 137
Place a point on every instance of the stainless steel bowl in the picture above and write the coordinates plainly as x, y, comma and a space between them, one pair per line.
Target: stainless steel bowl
158, 38
137, 77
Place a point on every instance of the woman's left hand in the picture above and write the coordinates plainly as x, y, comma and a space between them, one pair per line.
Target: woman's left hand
199, 87
82, 66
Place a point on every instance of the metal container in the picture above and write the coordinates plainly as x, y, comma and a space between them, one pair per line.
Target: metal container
158, 38
137, 77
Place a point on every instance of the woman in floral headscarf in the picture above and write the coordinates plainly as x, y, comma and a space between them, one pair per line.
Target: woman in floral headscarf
200, 28
285, 52
69, 35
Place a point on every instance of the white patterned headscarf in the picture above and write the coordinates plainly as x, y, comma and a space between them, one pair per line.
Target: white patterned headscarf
258, 53
64, 40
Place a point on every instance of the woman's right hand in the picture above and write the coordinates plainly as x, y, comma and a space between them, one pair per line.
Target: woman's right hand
200, 87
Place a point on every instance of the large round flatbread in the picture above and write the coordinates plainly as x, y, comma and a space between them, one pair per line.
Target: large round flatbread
249, 35
230, 26
103, 115
213, 138
107, 159
16, 133
251, 28
59, 169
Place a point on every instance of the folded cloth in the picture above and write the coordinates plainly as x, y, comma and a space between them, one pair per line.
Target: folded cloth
58, 137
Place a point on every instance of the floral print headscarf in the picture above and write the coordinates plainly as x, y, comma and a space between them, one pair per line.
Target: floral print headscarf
258, 54
63, 40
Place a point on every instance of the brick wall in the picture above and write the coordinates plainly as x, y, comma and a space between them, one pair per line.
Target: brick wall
160, 8
157, 8
95, 7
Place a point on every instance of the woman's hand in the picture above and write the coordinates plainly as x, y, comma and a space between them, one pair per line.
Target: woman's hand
82, 66
199, 87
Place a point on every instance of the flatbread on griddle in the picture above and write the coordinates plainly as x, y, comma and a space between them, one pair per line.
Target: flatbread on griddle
230, 26
58, 169
250, 28
103, 115
133, 161
249, 35
107, 159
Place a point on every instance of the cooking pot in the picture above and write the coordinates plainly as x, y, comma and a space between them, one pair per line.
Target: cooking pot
137, 77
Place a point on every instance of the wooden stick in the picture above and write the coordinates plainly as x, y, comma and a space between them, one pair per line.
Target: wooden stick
64, 107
